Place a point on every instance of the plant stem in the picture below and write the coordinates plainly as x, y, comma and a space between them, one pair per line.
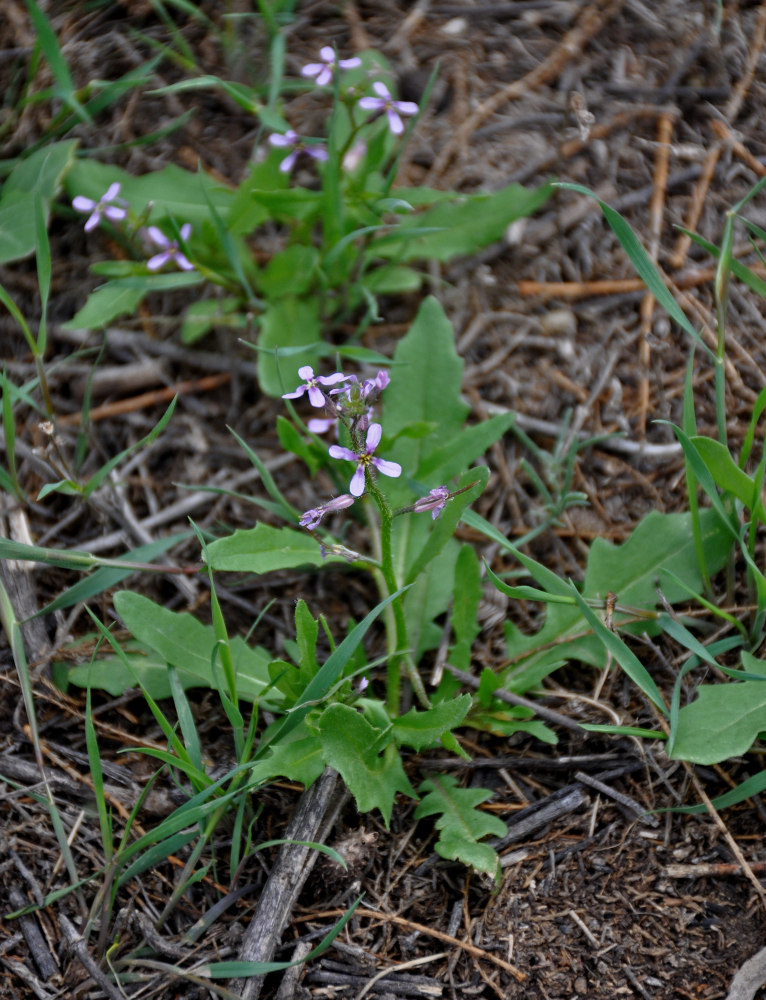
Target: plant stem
400, 656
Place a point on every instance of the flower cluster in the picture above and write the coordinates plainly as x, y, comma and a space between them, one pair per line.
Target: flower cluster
350, 402
115, 209
383, 102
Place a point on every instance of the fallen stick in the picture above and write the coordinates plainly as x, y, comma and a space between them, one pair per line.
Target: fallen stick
285, 882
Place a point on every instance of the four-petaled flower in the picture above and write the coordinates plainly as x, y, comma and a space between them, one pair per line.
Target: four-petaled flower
433, 501
292, 141
312, 383
365, 459
323, 71
311, 518
385, 102
108, 206
169, 249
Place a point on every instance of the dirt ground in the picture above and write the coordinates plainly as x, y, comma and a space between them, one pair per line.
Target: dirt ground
659, 110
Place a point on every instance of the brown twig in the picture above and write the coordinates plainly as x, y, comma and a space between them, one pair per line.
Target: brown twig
572, 290
147, 399
709, 870
392, 918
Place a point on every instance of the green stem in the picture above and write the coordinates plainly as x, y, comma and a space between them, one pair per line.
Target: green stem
400, 656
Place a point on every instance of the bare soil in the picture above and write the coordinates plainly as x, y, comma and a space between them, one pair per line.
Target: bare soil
660, 112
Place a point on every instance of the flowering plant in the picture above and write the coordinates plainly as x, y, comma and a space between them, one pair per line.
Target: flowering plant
350, 236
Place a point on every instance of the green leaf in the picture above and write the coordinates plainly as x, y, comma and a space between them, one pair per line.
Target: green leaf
105, 304
297, 758
48, 42
291, 272
330, 671
294, 442
727, 474
460, 823
451, 459
37, 176
392, 279
189, 645
421, 730
631, 571
264, 549
723, 721
465, 605
350, 745
172, 193
109, 576
287, 323
202, 317
467, 224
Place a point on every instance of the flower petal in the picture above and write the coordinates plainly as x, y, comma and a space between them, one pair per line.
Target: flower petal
394, 121
82, 204
158, 237
112, 191
382, 90
356, 486
306, 372
316, 396
331, 379
159, 260
374, 434
338, 451
392, 469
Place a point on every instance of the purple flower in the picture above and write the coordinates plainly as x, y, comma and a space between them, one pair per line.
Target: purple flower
433, 501
385, 102
312, 383
108, 206
321, 425
365, 459
169, 249
311, 518
292, 141
374, 386
323, 71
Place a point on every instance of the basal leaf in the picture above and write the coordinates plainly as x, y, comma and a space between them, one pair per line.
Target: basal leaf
264, 549
185, 642
460, 227
460, 823
631, 571
723, 721
425, 729
105, 304
350, 745
287, 323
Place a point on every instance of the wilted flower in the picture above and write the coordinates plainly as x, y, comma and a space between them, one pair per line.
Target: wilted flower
365, 459
323, 71
169, 249
312, 383
311, 518
108, 206
292, 141
433, 501
393, 109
